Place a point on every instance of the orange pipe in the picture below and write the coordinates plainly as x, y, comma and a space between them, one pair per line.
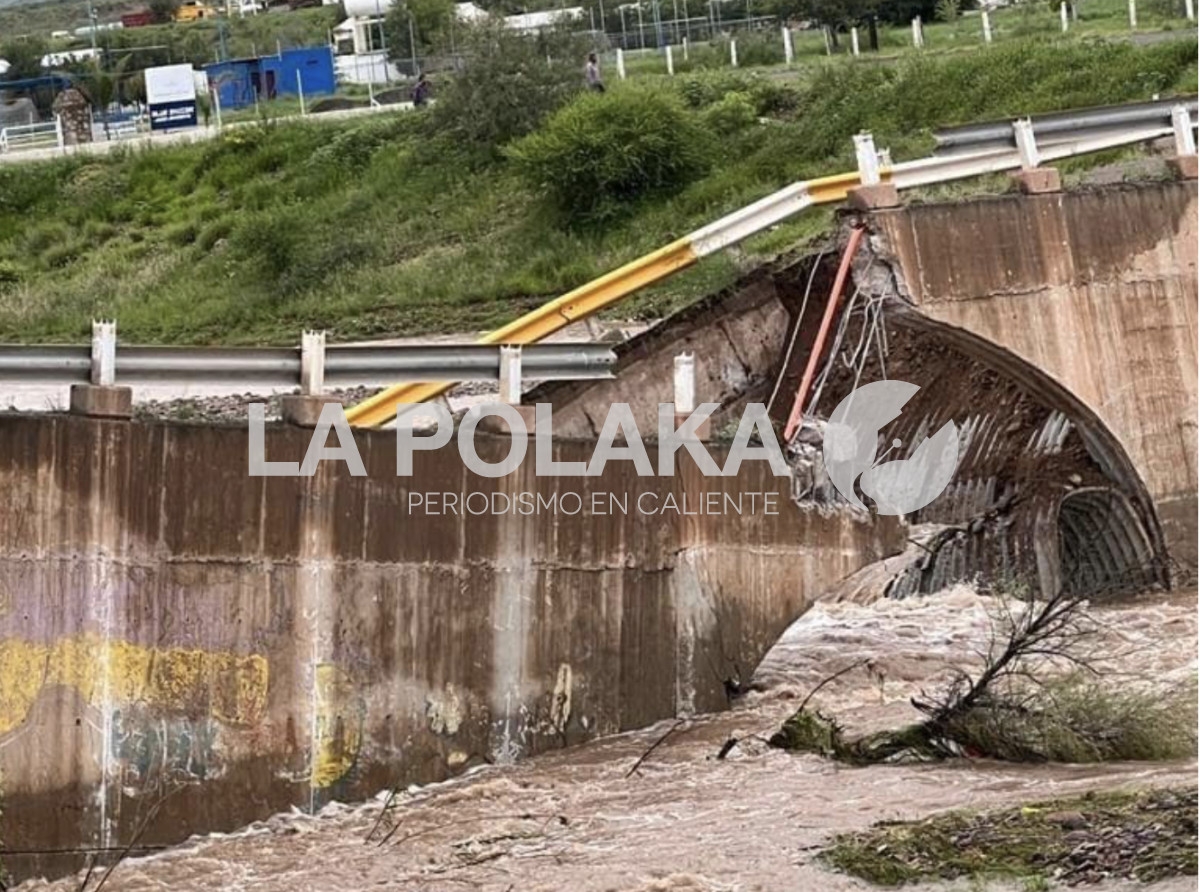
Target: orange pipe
810, 370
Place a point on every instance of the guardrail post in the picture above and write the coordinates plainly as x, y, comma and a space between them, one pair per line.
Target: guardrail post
918, 38
1062, 16
312, 363
854, 41
58, 134
733, 52
1184, 162
304, 408
1133, 14
670, 62
788, 52
873, 194
104, 353
1026, 143
1032, 179
868, 159
620, 63
987, 26
510, 375
102, 398
685, 394
1189, 9
510, 394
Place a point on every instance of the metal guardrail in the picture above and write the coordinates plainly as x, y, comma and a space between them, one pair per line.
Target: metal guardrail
283, 366
614, 286
1060, 126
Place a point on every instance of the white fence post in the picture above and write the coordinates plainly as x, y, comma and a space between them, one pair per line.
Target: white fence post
670, 61
216, 95
828, 42
789, 54
733, 52
917, 37
685, 47
868, 159
510, 375
1026, 144
300, 90
1190, 9
987, 26
1133, 14
1062, 15
620, 63
312, 362
104, 353
1185, 139
58, 134
854, 41
685, 384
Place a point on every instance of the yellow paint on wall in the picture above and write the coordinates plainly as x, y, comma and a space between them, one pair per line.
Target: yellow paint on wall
337, 725
231, 688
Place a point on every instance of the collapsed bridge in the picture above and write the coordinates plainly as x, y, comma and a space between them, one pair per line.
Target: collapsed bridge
180, 641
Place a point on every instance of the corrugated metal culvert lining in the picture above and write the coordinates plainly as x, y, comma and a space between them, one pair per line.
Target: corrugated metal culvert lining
1044, 495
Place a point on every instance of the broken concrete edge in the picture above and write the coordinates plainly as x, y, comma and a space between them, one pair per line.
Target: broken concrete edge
873, 198
1037, 180
96, 401
303, 410
1183, 166
494, 424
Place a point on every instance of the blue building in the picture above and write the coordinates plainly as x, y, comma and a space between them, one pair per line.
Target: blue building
239, 82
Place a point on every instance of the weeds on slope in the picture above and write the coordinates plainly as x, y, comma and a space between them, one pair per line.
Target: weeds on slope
391, 226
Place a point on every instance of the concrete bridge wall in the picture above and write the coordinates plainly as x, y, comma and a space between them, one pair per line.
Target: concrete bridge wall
1095, 288
176, 634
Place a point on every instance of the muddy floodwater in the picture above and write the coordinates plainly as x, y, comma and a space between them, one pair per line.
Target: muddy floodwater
576, 820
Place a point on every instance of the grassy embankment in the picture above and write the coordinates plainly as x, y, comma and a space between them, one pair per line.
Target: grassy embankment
382, 227
1145, 836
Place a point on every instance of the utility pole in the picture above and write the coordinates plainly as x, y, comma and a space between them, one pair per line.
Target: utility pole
412, 44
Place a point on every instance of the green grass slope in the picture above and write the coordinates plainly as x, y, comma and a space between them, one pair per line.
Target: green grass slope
383, 226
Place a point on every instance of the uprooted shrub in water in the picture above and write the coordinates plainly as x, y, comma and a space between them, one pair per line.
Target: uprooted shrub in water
1017, 709
1074, 719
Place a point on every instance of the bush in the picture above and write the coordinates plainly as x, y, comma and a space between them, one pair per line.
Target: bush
735, 112
509, 84
768, 97
605, 151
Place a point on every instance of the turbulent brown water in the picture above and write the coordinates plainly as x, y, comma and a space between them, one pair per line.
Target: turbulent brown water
573, 820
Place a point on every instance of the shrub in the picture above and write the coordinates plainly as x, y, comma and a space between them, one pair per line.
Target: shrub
735, 112
509, 84
605, 151
760, 49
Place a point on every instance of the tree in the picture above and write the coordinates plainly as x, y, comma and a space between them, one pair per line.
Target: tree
24, 57
509, 83
430, 20
163, 10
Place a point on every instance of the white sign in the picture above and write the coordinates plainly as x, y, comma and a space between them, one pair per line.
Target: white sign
170, 83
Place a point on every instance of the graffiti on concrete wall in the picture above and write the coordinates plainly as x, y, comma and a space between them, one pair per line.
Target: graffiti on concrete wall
172, 747
226, 687
337, 725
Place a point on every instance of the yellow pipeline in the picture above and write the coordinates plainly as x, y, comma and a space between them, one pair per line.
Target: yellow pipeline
582, 302
539, 323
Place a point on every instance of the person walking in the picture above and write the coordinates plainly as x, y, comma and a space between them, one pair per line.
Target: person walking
420, 92
592, 73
